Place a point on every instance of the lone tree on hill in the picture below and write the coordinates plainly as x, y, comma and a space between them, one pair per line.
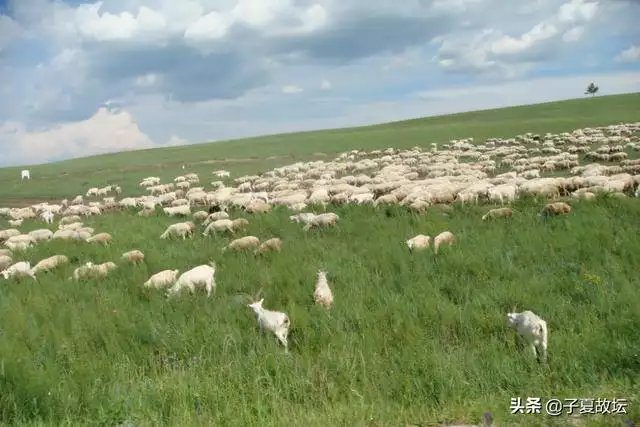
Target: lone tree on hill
592, 89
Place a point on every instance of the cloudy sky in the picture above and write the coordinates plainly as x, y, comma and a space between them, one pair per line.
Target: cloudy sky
80, 78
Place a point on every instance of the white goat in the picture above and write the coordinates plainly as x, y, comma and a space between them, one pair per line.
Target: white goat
532, 328
323, 295
274, 321
22, 268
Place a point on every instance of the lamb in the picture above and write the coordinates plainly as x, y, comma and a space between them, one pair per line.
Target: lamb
202, 275
498, 213
322, 294
322, 220
22, 268
532, 329
104, 238
274, 321
50, 263
162, 279
273, 244
418, 242
246, 242
135, 256
444, 237
557, 208
179, 229
93, 270
15, 222
5, 261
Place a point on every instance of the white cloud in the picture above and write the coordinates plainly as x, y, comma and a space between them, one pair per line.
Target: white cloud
325, 85
291, 89
104, 132
632, 54
573, 34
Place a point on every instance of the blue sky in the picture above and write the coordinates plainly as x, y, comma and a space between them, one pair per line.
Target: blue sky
82, 78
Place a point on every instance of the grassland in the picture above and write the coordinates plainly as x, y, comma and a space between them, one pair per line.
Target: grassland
71, 177
412, 339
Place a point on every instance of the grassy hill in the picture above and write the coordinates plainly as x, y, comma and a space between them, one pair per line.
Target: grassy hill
413, 338
71, 177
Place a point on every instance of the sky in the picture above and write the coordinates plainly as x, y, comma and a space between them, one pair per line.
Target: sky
79, 78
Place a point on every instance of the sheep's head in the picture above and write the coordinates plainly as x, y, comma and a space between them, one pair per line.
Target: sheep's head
512, 318
5, 274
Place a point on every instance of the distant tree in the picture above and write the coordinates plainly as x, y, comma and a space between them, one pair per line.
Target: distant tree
592, 89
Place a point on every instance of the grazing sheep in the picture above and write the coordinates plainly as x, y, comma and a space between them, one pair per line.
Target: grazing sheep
202, 275
9, 233
90, 270
557, 208
69, 220
274, 321
162, 279
135, 256
531, 328
322, 220
498, 213
22, 268
200, 215
15, 222
179, 229
183, 210
64, 234
305, 217
219, 225
72, 226
322, 294
273, 244
418, 242
41, 234
104, 238
258, 206
5, 261
50, 263
246, 242
444, 237
215, 216
239, 224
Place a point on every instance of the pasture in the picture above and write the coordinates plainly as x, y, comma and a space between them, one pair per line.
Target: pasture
413, 338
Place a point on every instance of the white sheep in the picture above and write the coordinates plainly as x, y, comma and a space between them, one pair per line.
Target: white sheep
246, 242
93, 270
162, 279
531, 328
5, 261
444, 237
418, 242
304, 217
104, 238
274, 321
25, 174
50, 263
202, 275
22, 268
498, 213
179, 229
41, 234
15, 222
322, 294
218, 225
273, 244
135, 256
183, 210
215, 216
322, 220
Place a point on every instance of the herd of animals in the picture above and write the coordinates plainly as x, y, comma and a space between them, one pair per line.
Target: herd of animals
497, 171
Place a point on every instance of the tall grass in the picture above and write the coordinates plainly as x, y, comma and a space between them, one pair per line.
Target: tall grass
412, 337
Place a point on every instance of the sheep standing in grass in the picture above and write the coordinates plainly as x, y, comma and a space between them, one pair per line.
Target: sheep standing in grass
215, 216
5, 261
274, 321
135, 256
322, 294
557, 208
498, 213
418, 242
41, 234
304, 217
225, 225
531, 328
9, 233
202, 275
47, 217
162, 279
273, 244
322, 220
50, 263
19, 269
93, 270
444, 237
69, 220
104, 238
179, 229
246, 242
15, 222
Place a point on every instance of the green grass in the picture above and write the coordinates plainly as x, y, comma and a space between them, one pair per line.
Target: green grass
412, 337
71, 177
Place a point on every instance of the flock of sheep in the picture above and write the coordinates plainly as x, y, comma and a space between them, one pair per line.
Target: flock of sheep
497, 171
